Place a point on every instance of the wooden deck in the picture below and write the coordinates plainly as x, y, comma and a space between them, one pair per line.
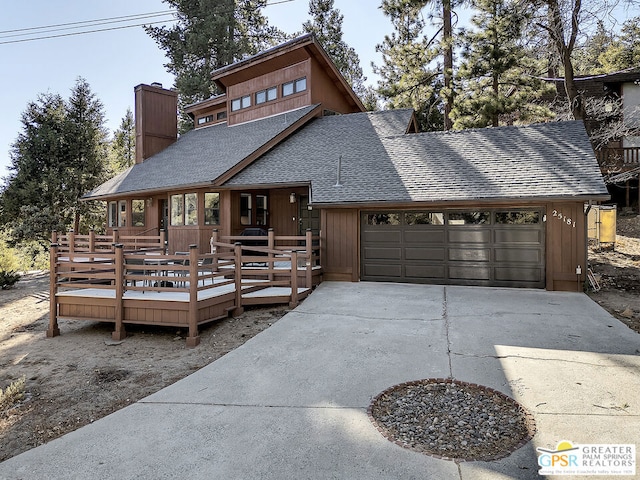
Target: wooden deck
149, 287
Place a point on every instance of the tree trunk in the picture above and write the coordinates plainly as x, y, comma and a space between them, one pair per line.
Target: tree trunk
448, 63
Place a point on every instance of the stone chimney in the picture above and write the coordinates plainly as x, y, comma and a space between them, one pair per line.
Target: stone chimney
156, 119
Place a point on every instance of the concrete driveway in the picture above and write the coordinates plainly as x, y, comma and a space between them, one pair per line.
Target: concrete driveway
291, 402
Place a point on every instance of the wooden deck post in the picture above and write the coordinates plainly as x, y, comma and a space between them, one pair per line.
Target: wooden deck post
271, 244
294, 280
53, 330
114, 240
120, 332
164, 245
193, 339
237, 254
92, 241
309, 259
71, 236
214, 250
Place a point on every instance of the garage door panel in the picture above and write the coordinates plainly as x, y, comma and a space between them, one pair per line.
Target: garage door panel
424, 236
518, 255
382, 236
424, 253
467, 235
507, 253
519, 235
470, 272
383, 270
425, 271
383, 253
519, 274
470, 254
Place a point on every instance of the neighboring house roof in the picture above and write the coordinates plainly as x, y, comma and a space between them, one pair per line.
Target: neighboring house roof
550, 160
201, 156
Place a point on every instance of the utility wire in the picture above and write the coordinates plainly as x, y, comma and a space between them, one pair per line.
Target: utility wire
132, 17
97, 23
83, 33
92, 23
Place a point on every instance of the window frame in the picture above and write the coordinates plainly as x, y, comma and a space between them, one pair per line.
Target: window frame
209, 212
122, 213
134, 213
294, 86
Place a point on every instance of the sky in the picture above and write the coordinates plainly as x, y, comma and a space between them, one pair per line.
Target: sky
114, 62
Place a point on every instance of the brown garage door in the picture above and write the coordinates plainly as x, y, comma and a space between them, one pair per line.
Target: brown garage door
500, 247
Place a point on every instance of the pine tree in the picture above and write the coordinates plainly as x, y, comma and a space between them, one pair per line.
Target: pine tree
59, 156
326, 25
496, 76
624, 51
406, 78
210, 34
587, 57
123, 146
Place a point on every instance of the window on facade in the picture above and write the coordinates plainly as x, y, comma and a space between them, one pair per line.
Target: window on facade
267, 95
240, 103
469, 218
191, 208
221, 115
122, 213
212, 209
246, 210
184, 209
203, 120
113, 214
177, 210
137, 213
296, 86
261, 210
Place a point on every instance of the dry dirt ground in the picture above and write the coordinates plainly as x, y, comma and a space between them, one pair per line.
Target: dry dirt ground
82, 375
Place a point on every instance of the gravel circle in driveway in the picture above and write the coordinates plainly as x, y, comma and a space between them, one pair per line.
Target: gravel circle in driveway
452, 420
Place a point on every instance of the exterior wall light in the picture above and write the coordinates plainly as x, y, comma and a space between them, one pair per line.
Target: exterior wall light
292, 198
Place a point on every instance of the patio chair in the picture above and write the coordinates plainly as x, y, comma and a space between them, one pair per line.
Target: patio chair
129, 271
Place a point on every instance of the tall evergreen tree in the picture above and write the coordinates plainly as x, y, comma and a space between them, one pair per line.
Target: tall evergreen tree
123, 146
588, 55
210, 34
59, 155
407, 79
624, 51
326, 25
496, 74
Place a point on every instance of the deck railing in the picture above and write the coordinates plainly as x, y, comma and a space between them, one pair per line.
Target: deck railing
72, 242
86, 263
619, 156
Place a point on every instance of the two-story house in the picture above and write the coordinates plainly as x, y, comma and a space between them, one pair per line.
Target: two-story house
288, 146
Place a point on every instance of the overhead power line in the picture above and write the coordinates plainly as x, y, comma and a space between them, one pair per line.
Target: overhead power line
121, 18
38, 32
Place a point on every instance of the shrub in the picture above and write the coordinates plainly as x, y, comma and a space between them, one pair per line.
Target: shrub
12, 394
8, 279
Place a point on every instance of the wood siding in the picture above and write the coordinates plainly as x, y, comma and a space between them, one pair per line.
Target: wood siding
339, 240
262, 82
324, 91
566, 246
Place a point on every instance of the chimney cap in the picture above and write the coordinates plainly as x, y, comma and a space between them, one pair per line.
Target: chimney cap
156, 84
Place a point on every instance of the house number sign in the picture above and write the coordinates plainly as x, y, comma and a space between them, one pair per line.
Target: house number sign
564, 219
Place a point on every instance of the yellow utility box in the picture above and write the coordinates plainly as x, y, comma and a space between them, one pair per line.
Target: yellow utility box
601, 224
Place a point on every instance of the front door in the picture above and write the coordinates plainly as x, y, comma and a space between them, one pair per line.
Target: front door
308, 218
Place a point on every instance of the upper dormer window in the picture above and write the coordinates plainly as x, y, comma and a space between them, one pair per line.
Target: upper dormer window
207, 119
239, 103
296, 86
267, 95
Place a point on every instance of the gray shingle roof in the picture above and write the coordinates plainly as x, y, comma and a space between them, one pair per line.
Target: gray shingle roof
200, 156
544, 160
